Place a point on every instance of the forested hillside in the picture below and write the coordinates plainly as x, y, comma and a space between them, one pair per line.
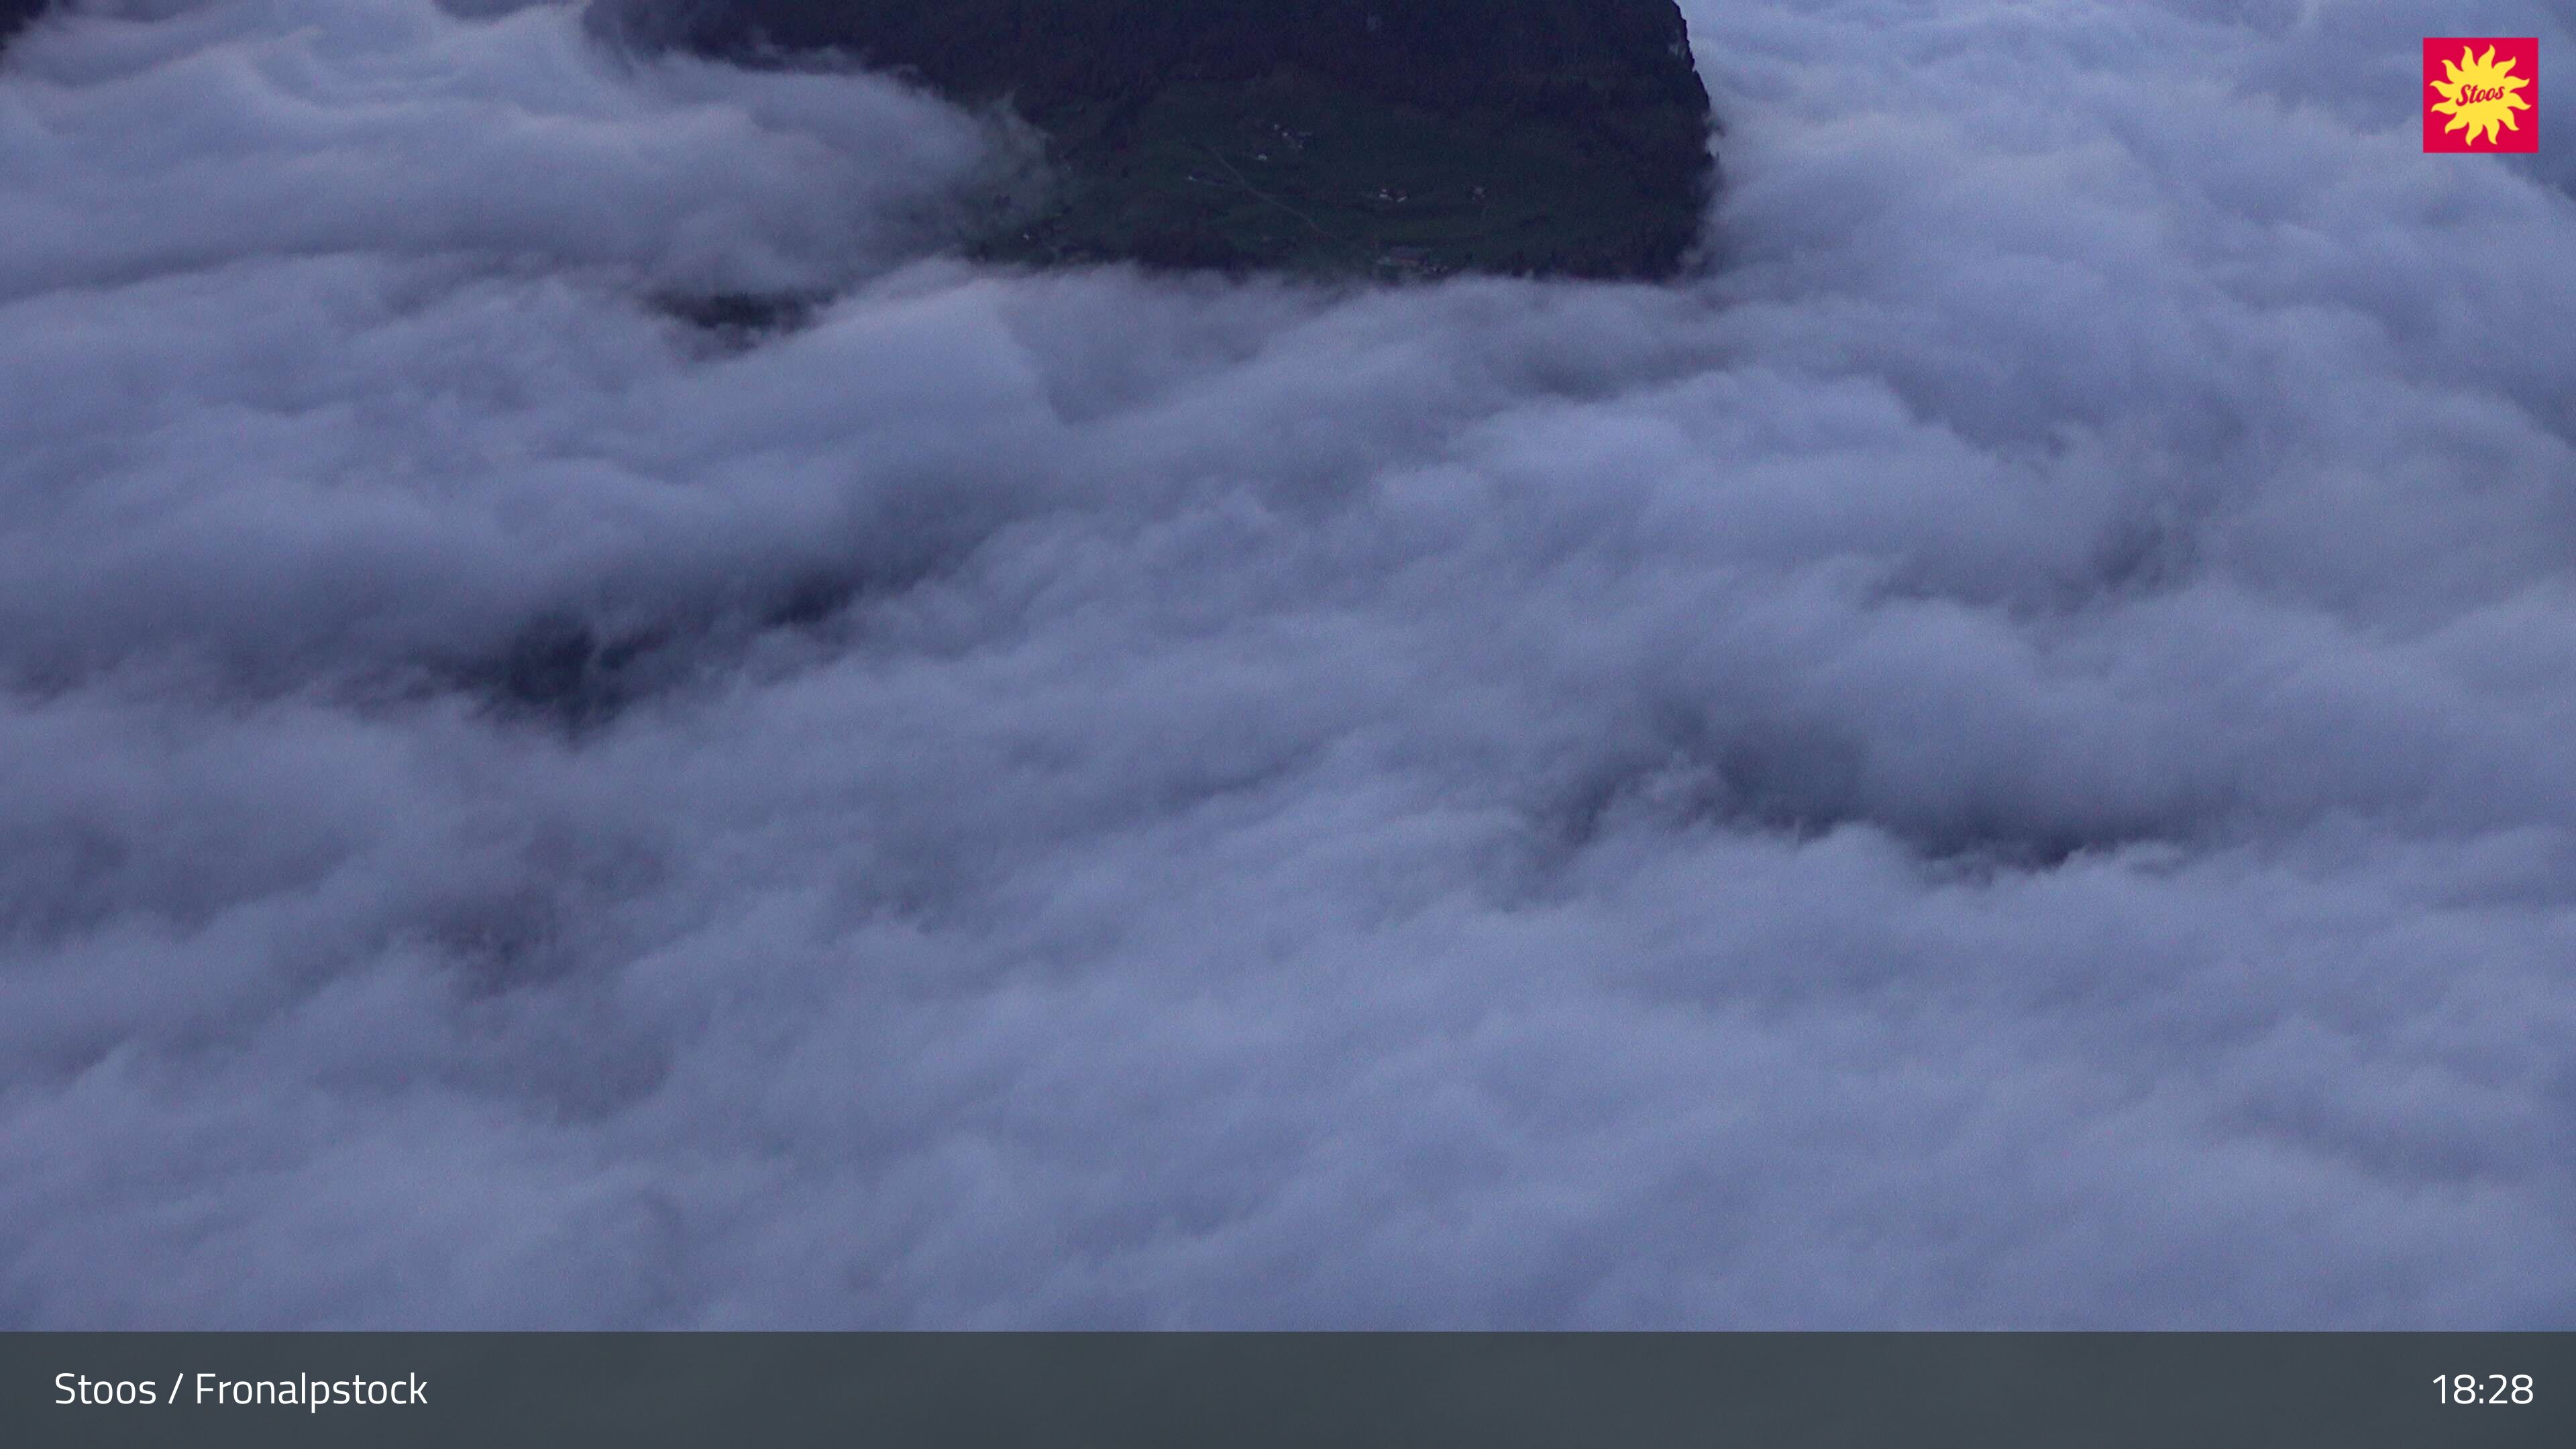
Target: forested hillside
1408, 136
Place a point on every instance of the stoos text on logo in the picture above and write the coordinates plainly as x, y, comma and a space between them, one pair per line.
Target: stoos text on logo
2481, 93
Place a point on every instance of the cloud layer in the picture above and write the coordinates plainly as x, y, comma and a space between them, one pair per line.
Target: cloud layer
2000, 758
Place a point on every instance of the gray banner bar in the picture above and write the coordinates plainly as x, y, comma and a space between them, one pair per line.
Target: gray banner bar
1581, 1391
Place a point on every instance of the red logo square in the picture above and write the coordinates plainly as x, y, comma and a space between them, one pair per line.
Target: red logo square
2481, 93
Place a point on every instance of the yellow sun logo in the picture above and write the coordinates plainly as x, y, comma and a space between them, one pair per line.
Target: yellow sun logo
2479, 95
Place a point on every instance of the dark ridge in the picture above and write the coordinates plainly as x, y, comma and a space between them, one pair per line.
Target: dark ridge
728, 324
1399, 137
739, 315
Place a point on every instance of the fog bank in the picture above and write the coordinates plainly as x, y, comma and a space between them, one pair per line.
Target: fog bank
1998, 757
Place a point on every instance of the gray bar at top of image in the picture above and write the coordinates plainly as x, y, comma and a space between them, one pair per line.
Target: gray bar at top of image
1351, 1391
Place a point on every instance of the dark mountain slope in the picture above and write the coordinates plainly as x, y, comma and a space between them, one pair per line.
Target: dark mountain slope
1560, 136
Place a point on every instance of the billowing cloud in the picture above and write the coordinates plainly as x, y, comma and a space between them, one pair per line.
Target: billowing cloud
1998, 757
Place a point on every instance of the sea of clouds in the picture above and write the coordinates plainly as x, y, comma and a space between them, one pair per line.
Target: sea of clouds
2002, 755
